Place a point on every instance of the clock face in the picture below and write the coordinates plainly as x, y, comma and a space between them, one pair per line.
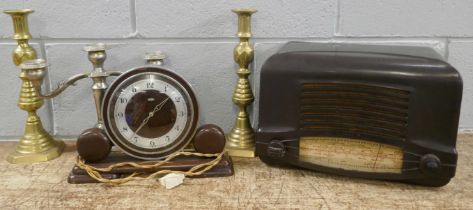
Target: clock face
150, 112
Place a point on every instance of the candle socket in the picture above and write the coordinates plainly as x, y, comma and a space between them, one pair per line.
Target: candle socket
241, 139
23, 51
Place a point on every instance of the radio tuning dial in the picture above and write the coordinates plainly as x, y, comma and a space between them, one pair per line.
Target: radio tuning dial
430, 164
276, 149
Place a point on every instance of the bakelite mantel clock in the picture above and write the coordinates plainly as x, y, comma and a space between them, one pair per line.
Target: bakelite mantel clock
150, 112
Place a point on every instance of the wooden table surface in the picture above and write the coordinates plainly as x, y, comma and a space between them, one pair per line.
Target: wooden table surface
254, 186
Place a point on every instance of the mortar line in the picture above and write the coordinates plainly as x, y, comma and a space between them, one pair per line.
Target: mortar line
134, 31
337, 21
48, 84
224, 40
469, 38
447, 48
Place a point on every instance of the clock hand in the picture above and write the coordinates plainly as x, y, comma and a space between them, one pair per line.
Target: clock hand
150, 115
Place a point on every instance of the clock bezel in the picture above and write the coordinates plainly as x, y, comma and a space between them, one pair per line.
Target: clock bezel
143, 153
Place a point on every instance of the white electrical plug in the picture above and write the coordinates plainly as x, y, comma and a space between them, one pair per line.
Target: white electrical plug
172, 180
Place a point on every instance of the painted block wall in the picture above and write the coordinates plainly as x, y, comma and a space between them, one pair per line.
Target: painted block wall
199, 37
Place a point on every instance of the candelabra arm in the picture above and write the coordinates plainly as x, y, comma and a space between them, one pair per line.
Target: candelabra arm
61, 86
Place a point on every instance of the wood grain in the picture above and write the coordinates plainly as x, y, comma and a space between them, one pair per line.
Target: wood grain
254, 186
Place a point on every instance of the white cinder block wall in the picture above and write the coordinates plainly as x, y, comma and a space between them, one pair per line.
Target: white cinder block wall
199, 37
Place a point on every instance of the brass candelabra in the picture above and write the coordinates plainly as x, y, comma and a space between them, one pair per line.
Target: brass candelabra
241, 139
36, 145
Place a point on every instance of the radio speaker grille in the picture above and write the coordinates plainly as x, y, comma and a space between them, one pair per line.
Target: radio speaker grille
354, 110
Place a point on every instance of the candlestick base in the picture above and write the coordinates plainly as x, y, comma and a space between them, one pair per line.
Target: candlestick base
240, 144
247, 152
36, 145
19, 156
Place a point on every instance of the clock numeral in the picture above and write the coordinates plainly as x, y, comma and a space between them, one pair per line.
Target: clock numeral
125, 129
178, 99
135, 138
123, 100
168, 139
177, 128
152, 143
120, 114
181, 113
133, 89
150, 85
165, 88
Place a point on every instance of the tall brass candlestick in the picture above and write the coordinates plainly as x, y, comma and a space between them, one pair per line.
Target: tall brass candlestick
36, 145
241, 139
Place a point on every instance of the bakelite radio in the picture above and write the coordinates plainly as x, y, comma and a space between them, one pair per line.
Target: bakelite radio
381, 112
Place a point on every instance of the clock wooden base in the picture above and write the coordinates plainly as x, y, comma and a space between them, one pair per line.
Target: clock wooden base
184, 163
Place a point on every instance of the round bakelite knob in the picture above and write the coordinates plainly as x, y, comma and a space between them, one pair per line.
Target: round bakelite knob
430, 164
209, 139
93, 145
276, 149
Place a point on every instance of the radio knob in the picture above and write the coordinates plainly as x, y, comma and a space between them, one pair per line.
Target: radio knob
276, 149
430, 164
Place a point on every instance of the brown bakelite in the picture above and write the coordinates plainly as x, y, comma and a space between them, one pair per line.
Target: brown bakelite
93, 145
403, 96
209, 139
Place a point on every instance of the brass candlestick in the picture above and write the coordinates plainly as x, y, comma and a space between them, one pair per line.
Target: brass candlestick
36, 145
241, 139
